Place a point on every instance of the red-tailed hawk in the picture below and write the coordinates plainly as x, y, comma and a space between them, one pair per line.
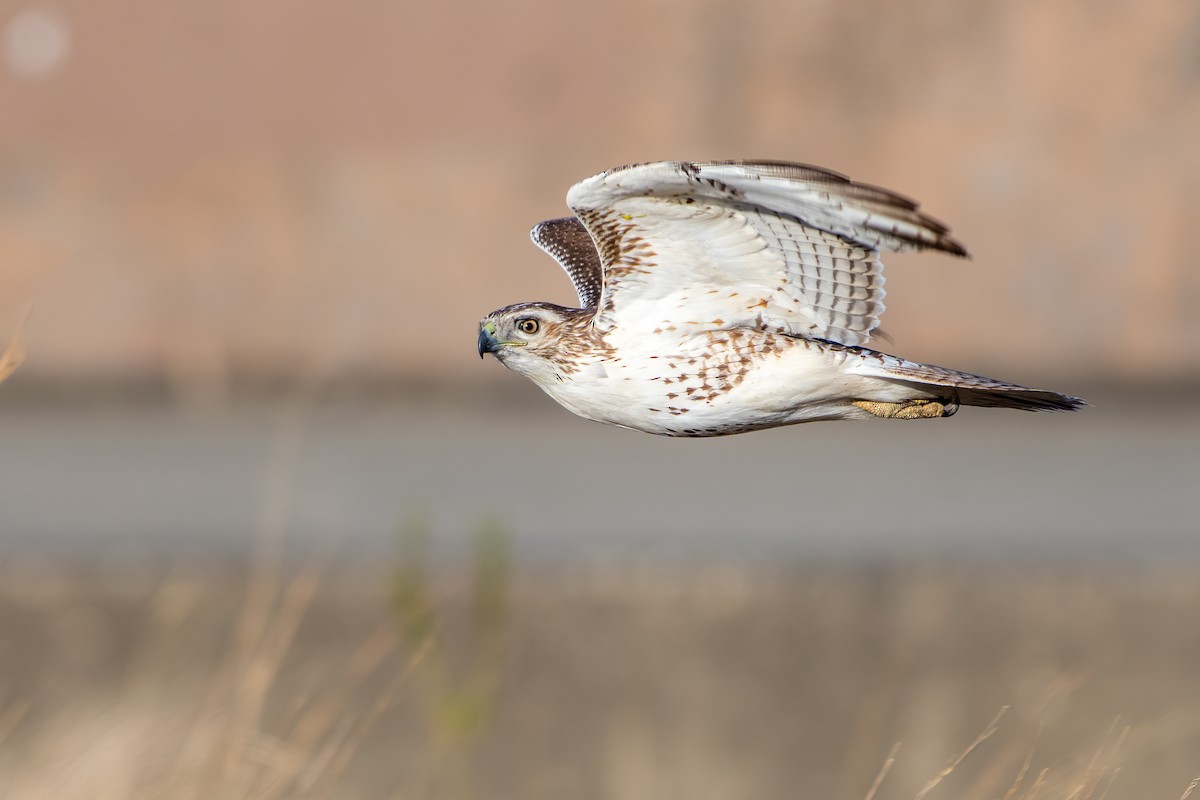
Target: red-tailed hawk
728, 296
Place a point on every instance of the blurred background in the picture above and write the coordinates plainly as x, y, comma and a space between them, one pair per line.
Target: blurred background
269, 528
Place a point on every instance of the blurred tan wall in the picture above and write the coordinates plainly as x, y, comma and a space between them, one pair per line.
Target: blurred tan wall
213, 188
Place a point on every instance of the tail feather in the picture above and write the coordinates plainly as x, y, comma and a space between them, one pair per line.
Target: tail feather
969, 389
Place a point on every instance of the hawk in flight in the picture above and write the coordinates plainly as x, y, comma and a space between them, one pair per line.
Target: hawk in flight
728, 296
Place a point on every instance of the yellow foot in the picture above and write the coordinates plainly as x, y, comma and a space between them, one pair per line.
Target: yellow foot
909, 409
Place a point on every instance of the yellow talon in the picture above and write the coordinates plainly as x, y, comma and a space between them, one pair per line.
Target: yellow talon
909, 409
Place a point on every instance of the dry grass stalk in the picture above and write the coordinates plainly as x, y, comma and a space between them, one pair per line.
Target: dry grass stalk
1038, 784
1096, 768
1020, 778
250, 763
317, 720
11, 718
252, 663
1112, 777
883, 771
1191, 788
954, 762
381, 704
14, 354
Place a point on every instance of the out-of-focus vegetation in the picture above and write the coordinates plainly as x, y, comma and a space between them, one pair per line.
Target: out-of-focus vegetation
205, 685
456, 689
13, 354
602, 682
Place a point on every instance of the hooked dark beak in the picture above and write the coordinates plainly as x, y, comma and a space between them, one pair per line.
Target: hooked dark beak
487, 339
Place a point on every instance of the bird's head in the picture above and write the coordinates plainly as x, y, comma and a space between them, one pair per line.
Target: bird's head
533, 339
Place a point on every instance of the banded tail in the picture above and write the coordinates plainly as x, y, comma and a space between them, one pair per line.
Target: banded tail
969, 389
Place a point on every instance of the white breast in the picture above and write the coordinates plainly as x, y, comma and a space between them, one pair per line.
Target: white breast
709, 383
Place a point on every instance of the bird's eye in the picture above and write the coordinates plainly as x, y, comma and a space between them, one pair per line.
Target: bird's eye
528, 326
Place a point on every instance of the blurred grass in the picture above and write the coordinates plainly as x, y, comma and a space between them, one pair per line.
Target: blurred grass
618, 681
457, 686
13, 354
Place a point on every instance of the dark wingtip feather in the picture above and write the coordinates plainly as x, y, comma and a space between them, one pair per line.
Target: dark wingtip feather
1073, 403
1076, 403
1020, 398
954, 248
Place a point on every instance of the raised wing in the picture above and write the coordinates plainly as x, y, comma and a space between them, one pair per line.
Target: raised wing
569, 243
724, 244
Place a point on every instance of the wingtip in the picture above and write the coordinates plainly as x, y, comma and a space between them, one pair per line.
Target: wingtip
1077, 403
1062, 403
